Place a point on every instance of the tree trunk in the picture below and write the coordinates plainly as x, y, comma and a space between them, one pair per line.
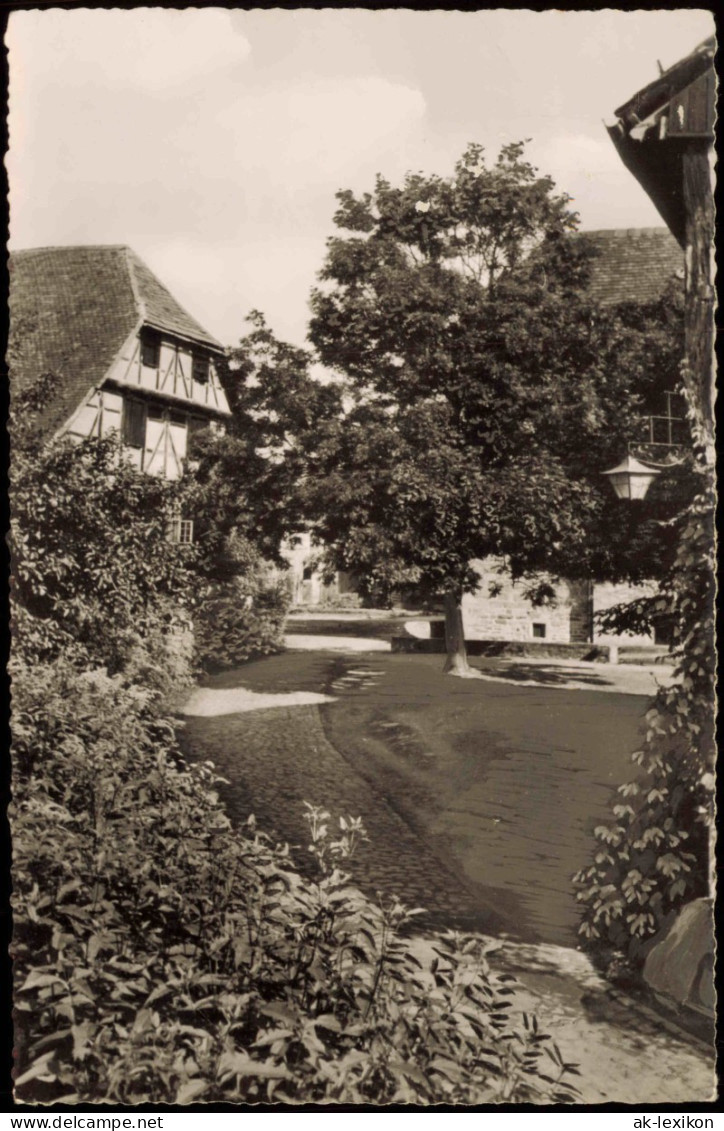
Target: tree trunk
457, 656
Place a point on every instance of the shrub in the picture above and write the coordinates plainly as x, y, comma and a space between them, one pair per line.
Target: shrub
91, 562
340, 602
162, 957
655, 856
241, 620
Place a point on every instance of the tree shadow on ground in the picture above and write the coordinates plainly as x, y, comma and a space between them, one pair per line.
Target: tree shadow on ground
283, 672
555, 675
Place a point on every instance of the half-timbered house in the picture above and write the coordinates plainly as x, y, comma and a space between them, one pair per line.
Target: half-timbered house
126, 355
664, 135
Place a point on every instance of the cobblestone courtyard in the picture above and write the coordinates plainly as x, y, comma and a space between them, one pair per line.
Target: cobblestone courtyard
480, 824
478, 796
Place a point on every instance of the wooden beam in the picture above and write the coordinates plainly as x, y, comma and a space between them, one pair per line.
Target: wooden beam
656, 165
659, 92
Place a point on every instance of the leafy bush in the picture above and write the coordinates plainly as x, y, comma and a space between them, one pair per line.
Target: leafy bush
656, 855
162, 957
241, 620
342, 602
91, 562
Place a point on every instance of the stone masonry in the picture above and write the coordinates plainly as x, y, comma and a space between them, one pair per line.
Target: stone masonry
509, 615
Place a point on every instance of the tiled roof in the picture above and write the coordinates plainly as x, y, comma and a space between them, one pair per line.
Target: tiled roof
633, 264
74, 307
160, 308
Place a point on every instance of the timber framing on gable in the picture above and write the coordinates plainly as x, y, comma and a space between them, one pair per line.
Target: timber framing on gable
174, 376
86, 314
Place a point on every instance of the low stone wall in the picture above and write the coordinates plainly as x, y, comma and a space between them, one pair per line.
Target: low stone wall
435, 645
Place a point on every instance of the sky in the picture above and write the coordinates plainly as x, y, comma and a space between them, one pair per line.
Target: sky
213, 141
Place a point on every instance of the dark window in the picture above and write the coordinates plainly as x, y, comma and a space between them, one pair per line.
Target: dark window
178, 418
155, 413
669, 428
664, 630
200, 368
539, 631
134, 423
150, 351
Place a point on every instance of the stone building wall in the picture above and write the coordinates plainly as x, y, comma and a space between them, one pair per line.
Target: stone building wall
581, 611
509, 615
569, 618
304, 575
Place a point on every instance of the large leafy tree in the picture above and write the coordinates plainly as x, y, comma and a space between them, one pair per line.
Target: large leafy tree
247, 477
486, 390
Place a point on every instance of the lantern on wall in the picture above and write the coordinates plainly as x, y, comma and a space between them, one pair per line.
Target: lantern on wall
631, 479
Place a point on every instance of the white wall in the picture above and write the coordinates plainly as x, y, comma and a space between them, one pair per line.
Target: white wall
605, 595
510, 616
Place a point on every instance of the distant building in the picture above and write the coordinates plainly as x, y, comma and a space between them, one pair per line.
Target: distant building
127, 356
305, 576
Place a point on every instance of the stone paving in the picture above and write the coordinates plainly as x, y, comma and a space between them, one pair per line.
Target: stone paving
481, 815
625, 1052
504, 781
277, 758
276, 755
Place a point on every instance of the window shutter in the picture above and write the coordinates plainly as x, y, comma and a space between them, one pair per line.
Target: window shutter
200, 368
134, 423
150, 350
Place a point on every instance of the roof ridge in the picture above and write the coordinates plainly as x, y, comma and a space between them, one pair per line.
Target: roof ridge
70, 247
150, 299
192, 331
138, 297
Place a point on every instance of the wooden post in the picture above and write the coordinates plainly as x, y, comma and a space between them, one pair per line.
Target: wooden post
699, 316
699, 321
